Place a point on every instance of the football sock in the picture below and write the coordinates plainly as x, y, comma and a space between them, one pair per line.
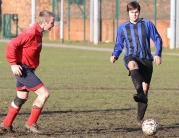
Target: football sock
35, 113
142, 107
137, 81
12, 113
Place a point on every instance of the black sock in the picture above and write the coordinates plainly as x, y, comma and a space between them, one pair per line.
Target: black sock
137, 81
142, 107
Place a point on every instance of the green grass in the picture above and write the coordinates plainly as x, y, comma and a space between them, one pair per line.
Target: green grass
91, 97
76, 43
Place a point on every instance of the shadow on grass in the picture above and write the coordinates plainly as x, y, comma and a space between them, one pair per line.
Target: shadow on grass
73, 132
121, 130
169, 127
71, 111
87, 111
93, 131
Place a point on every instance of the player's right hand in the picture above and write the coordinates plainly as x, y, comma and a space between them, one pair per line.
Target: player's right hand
113, 59
16, 70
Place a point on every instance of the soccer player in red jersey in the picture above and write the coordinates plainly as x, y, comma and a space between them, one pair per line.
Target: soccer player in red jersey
23, 54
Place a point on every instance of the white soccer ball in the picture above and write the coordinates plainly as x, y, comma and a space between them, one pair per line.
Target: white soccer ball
150, 126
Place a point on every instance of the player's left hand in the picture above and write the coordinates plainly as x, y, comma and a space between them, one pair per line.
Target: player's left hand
158, 60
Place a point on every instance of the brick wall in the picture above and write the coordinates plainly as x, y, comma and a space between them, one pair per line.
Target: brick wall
77, 31
23, 9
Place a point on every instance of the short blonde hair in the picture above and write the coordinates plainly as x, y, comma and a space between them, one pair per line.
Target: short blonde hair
45, 16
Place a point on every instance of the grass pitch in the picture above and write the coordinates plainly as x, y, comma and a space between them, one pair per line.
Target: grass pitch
91, 97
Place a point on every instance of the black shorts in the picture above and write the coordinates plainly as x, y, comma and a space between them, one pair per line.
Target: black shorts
145, 67
28, 81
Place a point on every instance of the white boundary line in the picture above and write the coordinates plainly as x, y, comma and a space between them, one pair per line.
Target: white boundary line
83, 47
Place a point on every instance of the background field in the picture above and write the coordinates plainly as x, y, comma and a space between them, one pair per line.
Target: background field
90, 97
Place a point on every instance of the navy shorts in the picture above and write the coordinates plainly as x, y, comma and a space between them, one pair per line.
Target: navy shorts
145, 67
28, 81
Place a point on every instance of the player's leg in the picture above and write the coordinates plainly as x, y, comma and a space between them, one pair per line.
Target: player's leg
32, 83
147, 69
142, 107
136, 79
14, 109
35, 84
42, 96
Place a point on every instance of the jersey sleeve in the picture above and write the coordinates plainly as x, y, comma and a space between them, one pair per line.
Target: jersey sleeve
14, 48
156, 39
119, 45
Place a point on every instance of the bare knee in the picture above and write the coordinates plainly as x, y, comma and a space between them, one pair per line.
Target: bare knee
43, 93
132, 65
46, 95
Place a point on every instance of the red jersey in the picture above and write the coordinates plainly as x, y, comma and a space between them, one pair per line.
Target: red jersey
26, 48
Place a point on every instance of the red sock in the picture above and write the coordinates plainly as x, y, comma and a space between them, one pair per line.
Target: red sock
35, 113
11, 115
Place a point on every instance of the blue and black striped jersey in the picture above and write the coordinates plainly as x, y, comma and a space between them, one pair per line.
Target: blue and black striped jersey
136, 39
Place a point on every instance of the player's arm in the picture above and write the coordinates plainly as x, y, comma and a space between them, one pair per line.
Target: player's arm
158, 43
118, 46
11, 53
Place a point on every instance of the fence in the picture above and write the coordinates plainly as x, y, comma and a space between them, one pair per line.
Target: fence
10, 21
111, 13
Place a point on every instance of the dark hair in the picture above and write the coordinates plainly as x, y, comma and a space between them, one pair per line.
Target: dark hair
133, 5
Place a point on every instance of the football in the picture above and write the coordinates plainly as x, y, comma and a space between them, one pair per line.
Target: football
150, 126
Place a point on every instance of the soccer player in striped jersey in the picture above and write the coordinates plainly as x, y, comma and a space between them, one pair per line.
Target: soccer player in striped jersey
134, 35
